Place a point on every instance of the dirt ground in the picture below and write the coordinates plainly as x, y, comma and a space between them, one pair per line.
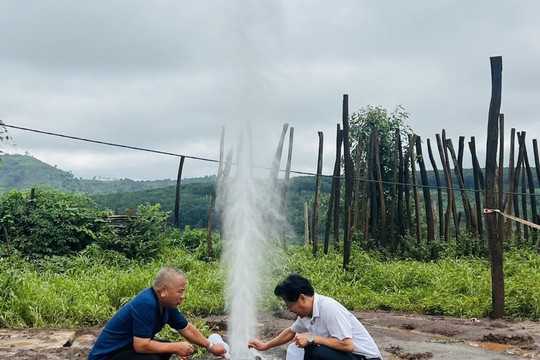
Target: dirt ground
398, 335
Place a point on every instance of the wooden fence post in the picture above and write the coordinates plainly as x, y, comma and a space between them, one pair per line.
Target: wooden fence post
177, 198
449, 191
335, 183
412, 143
315, 218
452, 199
476, 179
217, 184
425, 191
395, 173
337, 196
458, 171
494, 238
306, 224
509, 198
287, 170
349, 183
356, 208
382, 201
439, 190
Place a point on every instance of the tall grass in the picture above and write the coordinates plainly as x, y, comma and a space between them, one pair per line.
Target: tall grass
89, 288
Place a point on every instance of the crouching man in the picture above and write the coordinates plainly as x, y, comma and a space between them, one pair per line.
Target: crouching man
324, 329
130, 332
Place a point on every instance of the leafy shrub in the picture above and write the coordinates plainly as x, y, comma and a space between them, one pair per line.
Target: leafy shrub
142, 237
45, 222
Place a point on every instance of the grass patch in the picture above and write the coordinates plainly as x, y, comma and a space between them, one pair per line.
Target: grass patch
89, 288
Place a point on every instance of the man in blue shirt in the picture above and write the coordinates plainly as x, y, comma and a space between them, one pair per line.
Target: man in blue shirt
130, 332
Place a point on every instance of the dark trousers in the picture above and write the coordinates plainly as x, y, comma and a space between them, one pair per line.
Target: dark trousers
318, 352
130, 354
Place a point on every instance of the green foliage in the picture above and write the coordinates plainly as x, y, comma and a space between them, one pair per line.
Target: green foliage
195, 241
190, 239
456, 287
92, 286
301, 190
142, 237
369, 119
49, 223
195, 201
22, 172
88, 289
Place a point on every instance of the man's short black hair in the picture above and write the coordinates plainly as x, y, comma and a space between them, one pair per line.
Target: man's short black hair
292, 286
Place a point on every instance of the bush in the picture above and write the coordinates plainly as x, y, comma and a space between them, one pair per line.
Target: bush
45, 222
141, 237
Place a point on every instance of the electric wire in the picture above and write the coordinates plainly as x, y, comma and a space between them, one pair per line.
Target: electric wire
131, 147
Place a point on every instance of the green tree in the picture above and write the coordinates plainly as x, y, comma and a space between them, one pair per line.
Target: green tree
365, 121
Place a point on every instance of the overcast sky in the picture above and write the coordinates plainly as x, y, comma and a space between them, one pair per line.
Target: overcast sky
168, 75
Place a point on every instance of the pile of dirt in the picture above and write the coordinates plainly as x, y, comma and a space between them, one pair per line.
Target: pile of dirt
398, 335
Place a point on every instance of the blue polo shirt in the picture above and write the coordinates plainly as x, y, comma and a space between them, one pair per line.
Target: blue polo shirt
141, 317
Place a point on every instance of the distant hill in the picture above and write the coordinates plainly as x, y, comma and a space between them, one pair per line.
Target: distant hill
195, 201
21, 172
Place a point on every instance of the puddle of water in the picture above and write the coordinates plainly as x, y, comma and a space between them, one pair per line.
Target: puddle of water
498, 347
490, 346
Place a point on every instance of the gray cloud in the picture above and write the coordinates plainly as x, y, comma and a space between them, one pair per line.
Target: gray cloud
168, 75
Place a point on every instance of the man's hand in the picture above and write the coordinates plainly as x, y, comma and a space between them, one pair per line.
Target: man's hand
257, 345
218, 350
301, 340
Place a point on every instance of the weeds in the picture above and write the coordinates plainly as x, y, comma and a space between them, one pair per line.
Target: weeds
89, 288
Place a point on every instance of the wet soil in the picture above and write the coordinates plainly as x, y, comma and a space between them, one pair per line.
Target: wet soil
398, 335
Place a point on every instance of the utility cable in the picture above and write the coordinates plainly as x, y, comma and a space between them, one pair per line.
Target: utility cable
217, 161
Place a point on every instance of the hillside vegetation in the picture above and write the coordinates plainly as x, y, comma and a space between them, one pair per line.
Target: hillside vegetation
21, 172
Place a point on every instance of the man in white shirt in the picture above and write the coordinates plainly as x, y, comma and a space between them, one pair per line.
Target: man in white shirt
324, 329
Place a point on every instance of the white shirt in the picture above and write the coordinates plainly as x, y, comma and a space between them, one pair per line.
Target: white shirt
331, 319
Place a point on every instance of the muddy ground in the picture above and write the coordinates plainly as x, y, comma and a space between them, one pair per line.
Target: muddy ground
399, 336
